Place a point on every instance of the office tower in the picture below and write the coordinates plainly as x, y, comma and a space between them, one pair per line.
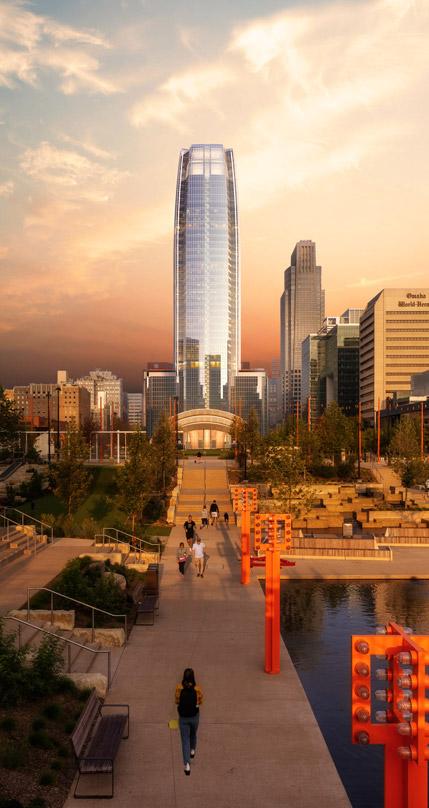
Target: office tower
420, 384
134, 409
330, 365
107, 396
206, 277
33, 402
394, 344
302, 309
249, 391
159, 394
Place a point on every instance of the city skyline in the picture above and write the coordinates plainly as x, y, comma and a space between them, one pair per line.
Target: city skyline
324, 108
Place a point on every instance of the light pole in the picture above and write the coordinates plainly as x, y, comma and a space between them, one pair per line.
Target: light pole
176, 427
58, 389
48, 396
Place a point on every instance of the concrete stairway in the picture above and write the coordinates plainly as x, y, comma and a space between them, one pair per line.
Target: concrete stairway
18, 541
203, 482
80, 660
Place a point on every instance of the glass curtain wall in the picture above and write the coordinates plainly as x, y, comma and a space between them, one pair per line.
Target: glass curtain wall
206, 277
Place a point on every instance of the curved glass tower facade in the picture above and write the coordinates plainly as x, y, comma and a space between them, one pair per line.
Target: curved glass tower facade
206, 277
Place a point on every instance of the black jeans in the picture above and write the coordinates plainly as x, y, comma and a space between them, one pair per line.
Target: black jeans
182, 567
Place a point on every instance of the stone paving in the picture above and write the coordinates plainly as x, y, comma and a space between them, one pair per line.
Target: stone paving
259, 743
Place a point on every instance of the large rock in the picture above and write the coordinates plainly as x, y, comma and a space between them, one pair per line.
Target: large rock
90, 680
61, 618
115, 558
120, 580
106, 637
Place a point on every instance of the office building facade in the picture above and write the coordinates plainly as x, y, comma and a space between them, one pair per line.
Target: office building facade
394, 345
107, 396
159, 395
302, 309
39, 403
206, 277
134, 410
249, 391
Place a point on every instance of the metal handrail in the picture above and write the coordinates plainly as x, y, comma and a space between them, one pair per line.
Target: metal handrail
63, 639
75, 600
9, 522
33, 519
131, 540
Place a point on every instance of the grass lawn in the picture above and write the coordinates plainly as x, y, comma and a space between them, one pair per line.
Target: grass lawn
98, 505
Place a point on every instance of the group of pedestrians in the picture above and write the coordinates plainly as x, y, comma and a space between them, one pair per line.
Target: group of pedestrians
194, 548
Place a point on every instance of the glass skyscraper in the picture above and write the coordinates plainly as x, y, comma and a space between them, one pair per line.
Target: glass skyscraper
206, 277
302, 309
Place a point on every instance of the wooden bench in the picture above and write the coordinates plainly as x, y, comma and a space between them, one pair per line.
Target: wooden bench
146, 603
96, 739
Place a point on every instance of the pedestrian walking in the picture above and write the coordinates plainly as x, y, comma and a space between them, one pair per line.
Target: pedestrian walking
214, 512
189, 526
204, 516
226, 518
182, 557
198, 552
189, 698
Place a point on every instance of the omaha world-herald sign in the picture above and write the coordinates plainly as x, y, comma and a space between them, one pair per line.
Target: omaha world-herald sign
414, 300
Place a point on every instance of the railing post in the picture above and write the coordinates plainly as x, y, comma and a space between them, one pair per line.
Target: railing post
93, 624
19, 636
28, 604
69, 657
109, 672
126, 630
52, 608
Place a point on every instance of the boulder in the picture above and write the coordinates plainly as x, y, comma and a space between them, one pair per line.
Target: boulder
62, 618
119, 579
90, 680
106, 637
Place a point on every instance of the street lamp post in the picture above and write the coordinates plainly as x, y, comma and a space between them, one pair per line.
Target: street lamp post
48, 396
176, 427
58, 389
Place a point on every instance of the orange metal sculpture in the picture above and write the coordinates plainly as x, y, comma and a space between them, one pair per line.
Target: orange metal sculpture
273, 532
401, 726
244, 501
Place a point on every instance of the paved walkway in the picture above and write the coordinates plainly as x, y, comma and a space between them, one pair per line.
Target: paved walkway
259, 745
36, 571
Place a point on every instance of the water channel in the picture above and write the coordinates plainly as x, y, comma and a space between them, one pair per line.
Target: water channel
318, 618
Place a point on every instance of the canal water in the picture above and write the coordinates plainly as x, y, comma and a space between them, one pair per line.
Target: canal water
317, 620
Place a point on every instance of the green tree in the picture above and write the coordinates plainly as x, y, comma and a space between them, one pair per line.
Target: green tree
336, 433
71, 478
404, 449
136, 479
284, 467
9, 422
164, 453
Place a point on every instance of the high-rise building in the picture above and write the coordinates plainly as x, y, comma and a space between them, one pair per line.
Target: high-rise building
249, 392
302, 309
159, 394
330, 365
206, 277
134, 409
394, 344
107, 396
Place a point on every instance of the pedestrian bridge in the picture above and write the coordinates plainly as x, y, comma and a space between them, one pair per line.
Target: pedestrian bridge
205, 428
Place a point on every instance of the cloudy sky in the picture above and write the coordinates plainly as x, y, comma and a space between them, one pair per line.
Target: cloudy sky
324, 103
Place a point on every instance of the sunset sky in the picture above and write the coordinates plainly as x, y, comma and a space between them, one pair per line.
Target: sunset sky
324, 103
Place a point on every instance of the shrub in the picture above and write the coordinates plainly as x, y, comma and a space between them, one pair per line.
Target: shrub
53, 712
13, 756
62, 751
46, 666
5, 802
56, 765
66, 685
38, 724
69, 727
37, 802
40, 740
89, 528
85, 694
47, 779
8, 724
48, 519
13, 671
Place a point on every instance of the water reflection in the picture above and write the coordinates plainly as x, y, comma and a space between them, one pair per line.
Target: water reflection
318, 618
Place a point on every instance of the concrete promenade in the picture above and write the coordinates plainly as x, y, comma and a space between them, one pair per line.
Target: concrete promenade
36, 570
259, 743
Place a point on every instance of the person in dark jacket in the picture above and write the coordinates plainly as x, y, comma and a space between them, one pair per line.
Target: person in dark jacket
189, 697
189, 526
214, 512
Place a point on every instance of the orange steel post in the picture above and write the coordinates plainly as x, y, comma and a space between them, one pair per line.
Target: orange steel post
401, 727
244, 501
360, 430
101, 431
378, 432
277, 537
422, 431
